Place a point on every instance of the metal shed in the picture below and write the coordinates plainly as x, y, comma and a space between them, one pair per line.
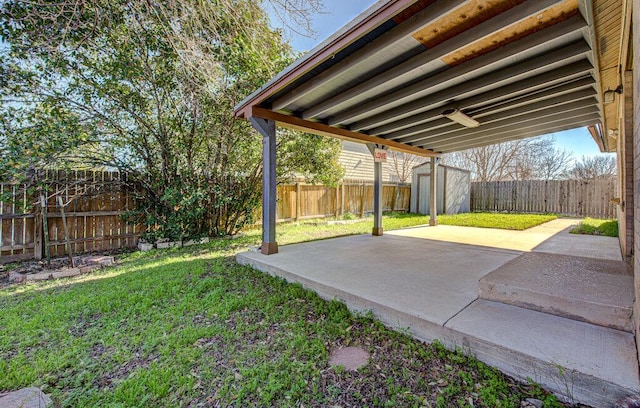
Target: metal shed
453, 189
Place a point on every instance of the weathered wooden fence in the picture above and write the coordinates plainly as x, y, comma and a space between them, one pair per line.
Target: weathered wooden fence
299, 201
93, 203
567, 197
90, 202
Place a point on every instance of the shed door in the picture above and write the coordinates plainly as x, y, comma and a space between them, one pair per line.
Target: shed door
423, 193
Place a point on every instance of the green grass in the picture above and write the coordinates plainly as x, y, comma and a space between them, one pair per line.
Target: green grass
593, 226
511, 221
318, 229
190, 326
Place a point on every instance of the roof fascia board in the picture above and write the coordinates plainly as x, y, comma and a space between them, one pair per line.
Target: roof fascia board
586, 9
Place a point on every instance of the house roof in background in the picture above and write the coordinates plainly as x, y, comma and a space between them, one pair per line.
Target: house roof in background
358, 164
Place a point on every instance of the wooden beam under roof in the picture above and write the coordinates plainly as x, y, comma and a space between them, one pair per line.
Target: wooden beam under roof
423, 90
511, 124
481, 31
561, 118
297, 123
493, 112
571, 124
567, 101
363, 24
546, 83
514, 73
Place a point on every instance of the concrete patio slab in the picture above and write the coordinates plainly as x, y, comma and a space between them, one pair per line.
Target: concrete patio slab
419, 281
581, 361
430, 280
592, 290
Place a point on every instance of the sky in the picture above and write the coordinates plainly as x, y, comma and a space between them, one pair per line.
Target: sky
339, 12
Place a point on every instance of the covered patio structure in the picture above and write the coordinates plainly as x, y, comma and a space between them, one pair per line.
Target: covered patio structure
434, 76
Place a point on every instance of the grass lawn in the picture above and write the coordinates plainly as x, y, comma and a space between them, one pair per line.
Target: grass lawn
191, 327
317, 229
593, 226
517, 222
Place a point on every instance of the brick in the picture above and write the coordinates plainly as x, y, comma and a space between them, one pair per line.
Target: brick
16, 277
165, 245
100, 260
40, 276
62, 273
88, 268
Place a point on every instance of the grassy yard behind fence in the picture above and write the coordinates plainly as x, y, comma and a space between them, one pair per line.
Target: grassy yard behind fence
185, 327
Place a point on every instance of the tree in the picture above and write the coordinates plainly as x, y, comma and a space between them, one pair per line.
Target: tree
488, 163
403, 164
594, 167
526, 159
554, 164
540, 159
148, 88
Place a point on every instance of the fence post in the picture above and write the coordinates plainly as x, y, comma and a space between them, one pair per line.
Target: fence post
298, 201
37, 234
362, 191
393, 197
337, 202
66, 231
342, 200
37, 224
45, 227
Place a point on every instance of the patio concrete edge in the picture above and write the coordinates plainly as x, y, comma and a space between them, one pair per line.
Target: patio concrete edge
420, 329
569, 385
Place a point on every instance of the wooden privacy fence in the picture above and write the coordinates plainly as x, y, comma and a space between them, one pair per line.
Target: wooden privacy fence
299, 201
579, 198
90, 202
93, 203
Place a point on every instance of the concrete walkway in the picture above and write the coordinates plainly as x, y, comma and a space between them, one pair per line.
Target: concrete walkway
426, 279
552, 237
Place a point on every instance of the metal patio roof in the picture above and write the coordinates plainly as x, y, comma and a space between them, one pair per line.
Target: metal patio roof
519, 68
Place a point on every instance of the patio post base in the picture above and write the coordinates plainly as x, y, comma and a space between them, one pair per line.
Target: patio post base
433, 223
377, 232
269, 248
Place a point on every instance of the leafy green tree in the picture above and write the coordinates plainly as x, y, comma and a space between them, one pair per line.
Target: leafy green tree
148, 88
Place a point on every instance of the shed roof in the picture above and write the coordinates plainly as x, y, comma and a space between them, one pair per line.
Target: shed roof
520, 68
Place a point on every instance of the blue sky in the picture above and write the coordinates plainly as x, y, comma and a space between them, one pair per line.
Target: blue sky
340, 12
